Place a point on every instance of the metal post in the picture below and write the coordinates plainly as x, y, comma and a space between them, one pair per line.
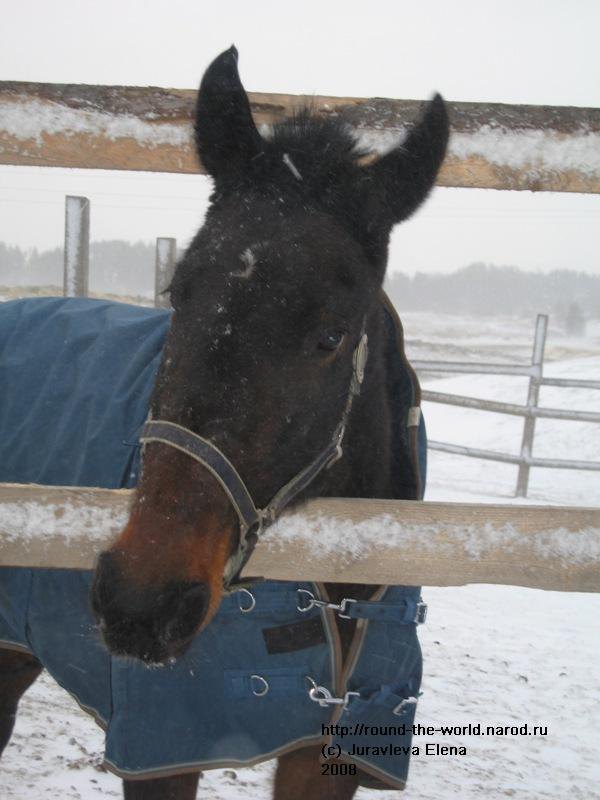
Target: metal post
537, 360
166, 256
77, 246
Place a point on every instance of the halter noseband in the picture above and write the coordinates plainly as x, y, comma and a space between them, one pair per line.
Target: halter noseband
253, 520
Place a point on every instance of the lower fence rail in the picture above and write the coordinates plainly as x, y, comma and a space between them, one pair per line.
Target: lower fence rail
508, 458
337, 539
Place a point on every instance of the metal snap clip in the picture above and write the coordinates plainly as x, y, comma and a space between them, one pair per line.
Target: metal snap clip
322, 695
263, 684
251, 605
319, 694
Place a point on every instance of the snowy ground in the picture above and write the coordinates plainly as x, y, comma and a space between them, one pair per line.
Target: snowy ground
493, 655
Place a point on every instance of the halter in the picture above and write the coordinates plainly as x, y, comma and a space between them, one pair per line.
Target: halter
254, 520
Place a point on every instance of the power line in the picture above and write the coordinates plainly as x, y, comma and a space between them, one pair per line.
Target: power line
135, 207
101, 194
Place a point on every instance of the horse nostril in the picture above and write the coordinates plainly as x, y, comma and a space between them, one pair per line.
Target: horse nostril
190, 611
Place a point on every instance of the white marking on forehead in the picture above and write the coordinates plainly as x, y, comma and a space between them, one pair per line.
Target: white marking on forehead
249, 260
291, 166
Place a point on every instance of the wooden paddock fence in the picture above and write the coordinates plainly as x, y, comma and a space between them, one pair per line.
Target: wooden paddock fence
536, 148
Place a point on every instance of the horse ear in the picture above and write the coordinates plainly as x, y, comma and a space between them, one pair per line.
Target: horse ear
226, 136
401, 180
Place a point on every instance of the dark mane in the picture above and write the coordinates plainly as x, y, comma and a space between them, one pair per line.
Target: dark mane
304, 156
325, 142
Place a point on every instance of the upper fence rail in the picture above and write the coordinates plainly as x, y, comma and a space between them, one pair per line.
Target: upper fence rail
377, 541
492, 146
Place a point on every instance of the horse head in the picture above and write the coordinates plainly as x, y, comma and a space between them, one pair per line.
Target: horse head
272, 308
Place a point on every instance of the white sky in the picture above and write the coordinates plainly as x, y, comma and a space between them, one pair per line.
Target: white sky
517, 51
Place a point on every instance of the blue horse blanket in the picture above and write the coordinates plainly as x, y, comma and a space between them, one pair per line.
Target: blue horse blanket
76, 378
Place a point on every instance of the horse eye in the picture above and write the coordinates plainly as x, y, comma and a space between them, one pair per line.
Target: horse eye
331, 339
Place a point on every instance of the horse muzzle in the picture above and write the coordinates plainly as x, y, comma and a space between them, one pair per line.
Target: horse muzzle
153, 623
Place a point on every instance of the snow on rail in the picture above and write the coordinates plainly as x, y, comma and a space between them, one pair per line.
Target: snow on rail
337, 539
492, 145
348, 541
527, 151
31, 119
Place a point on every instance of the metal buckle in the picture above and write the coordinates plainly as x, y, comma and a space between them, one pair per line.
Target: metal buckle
326, 698
420, 613
338, 438
338, 453
408, 701
316, 690
313, 602
343, 607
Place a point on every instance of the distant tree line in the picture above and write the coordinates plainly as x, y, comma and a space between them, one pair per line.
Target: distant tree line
116, 267
492, 290
119, 267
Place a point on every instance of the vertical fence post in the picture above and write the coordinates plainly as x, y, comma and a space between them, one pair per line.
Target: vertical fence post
537, 360
166, 256
77, 246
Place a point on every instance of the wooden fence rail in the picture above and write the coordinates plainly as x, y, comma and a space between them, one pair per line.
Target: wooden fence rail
493, 146
341, 540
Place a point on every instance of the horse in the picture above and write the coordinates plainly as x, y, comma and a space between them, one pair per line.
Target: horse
273, 368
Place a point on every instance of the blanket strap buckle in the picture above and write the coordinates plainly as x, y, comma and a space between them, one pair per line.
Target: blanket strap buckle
404, 705
410, 612
341, 608
322, 695
421, 613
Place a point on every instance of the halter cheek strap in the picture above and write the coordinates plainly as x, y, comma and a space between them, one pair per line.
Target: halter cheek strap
252, 519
